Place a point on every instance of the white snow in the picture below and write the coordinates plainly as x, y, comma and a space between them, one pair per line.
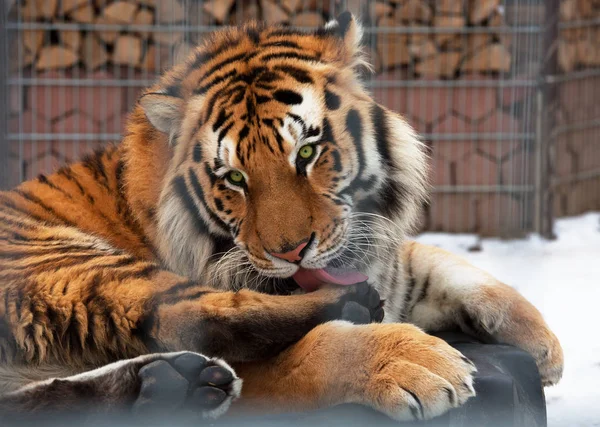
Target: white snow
562, 279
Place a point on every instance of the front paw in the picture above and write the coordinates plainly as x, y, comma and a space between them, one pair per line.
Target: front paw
415, 376
503, 314
359, 304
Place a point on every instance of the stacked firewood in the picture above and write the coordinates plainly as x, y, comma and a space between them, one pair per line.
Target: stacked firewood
579, 44
424, 36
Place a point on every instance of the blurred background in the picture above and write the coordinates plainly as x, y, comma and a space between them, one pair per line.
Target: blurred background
506, 93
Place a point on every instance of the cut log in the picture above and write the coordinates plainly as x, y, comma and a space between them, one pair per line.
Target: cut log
572, 34
443, 65
441, 21
56, 57
144, 17
468, 43
156, 59
107, 36
169, 12
480, 10
425, 49
291, 5
249, 12
379, 10
71, 39
494, 57
588, 53
392, 49
120, 12
83, 15
307, 19
33, 40
168, 38
149, 3
568, 10
127, 50
46, 9
93, 53
449, 7
414, 11
68, 6
567, 55
219, 9
585, 9
273, 13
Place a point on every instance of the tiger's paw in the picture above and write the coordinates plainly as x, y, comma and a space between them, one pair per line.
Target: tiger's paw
187, 382
501, 313
359, 304
414, 376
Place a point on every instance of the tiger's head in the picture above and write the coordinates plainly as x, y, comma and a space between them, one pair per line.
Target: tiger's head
280, 164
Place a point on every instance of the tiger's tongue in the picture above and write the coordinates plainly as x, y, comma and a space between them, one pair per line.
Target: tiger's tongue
310, 280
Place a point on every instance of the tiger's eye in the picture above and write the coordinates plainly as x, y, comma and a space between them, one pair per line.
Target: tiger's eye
306, 152
235, 177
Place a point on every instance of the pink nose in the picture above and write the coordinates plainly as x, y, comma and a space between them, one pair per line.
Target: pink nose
293, 255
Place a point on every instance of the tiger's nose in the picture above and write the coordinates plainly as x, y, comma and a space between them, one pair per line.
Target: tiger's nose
294, 255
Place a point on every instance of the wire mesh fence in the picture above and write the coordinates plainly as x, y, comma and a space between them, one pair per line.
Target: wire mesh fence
505, 93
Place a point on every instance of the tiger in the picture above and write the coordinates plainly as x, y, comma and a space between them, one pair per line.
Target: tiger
247, 241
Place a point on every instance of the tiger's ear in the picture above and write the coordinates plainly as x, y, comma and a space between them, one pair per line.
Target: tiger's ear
350, 31
165, 112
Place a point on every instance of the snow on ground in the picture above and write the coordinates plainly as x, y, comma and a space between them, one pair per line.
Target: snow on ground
562, 279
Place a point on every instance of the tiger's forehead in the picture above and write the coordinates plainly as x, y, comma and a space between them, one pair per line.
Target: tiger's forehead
266, 111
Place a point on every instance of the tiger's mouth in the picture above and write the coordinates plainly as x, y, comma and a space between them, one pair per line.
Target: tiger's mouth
312, 279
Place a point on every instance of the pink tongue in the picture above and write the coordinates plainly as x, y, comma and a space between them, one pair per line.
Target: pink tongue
310, 280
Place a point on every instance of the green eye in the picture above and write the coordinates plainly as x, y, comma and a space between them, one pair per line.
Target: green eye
306, 152
235, 177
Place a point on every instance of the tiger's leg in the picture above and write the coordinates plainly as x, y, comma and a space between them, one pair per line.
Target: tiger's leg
154, 384
446, 291
84, 303
395, 368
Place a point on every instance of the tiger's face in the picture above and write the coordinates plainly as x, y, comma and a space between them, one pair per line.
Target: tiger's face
277, 146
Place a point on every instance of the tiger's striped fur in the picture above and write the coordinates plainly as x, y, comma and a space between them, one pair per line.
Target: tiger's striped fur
147, 247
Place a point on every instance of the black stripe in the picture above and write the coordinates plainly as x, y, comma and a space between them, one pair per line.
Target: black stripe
288, 97
327, 132
288, 55
332, 101
211, 175
200, 194
93, 162
35, 200
181, 190
354, 126
217, 80
337, 161
392, 196
381, 134
243, 133
68, 174
282, 43
221, 119
300, 75
197, 154
174, 299
223, 132
221, 64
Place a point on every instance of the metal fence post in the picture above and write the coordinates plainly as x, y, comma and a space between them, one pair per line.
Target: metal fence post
547, 116
4, 99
